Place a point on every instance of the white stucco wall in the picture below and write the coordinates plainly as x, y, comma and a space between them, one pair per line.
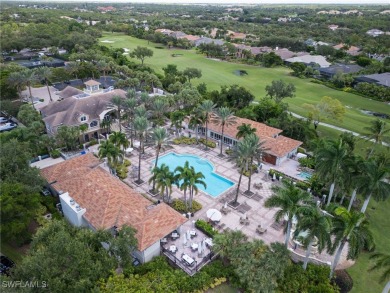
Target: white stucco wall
72, 212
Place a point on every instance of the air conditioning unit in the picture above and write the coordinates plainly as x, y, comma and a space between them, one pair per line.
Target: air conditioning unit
78, 208
60, 192
72, 202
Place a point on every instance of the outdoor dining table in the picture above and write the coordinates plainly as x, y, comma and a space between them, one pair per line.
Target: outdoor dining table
192, 233
175, 235
188, 259
172, 248
194, 246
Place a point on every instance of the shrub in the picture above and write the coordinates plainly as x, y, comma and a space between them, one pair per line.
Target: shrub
308, 162
301, 150
92, 142
121, 171
184, 140
205, 228
55, 154
180, 206
246, 172
126, 163
210, 143
229, 151
343, 281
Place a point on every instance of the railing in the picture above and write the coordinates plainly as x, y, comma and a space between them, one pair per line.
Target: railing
181, 264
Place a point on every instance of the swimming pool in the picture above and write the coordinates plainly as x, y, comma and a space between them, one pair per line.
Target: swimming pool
305, 175
216, 184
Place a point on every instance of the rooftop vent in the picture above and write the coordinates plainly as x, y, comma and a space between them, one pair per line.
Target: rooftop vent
72, 202
78, 208
82, 96
60, 192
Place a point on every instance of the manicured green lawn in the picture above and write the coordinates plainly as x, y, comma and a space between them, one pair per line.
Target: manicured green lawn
365, 281
11, 252
217, 73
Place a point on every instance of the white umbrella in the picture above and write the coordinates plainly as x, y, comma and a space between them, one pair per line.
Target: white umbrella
214, 215
225, 206
204, 245
129, 150
274, 177
200, 248
188, 235
244, 215
184, 239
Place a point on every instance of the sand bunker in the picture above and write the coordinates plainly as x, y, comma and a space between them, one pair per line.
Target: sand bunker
107, 41
126, 50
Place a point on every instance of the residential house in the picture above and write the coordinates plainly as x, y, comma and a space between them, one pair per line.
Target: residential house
205, 40
285, 53
177, 34
378, 79
190, 38
310, 60
91, 197
278, 147
332, 70
350, 50
163, 31
106, 9
374, 32
240, 50
236, 36
75, 108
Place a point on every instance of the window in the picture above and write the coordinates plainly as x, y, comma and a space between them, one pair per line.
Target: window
83, 118
93, 124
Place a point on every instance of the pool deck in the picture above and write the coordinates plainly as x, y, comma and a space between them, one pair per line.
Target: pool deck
257, 213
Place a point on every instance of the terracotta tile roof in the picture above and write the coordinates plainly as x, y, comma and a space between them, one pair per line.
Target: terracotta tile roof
108, 201
190, 37
276, 144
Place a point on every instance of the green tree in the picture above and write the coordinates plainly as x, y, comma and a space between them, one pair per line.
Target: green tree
141, 53
159, 108
183, 175
352, 228
330, 161
326, 108
382, 261
27, 115
29, 78
278, 90
376, 132
141, 126
164, 179
194, 123
129, 105
119, 139
44, 73
160, 140
191, 73
224, 117
245, 130
291, 201
194, 179
298, 68
116, 104
271, 59
318, 227
107, 149
206, 112
68, 137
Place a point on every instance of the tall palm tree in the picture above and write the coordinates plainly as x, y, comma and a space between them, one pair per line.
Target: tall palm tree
104, 67
382, 262
194, 179
110, 151
241, 155
16, 79
352, 228
244, 130
330, 161
318, 227
141, 127
164, 180
291, 201
194, 123
227, 242
129, 106
224, 117
45, 73
378, 132
120, 140
374, 180
159, 108
182, 175
256, 150
160, 140
141, 111
29, 77
116, 104
206, 110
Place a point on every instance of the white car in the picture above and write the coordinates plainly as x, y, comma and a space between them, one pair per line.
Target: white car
4, 120
8, 126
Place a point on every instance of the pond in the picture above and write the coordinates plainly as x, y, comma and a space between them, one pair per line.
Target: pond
240, 72
376, 114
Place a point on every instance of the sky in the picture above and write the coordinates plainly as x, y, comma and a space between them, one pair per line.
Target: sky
234, 1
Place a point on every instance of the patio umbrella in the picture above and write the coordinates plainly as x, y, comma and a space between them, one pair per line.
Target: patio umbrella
184, 239
225, 206
200, 248
274, 177
188, 235
245, 215
214, 215
204, 246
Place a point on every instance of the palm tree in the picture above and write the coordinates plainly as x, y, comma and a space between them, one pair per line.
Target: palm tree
110, 151
194, 179
29, 77
141, 127
378, 133
382, 262
330, 161
256, 151
351, 227
117, 105
241, 155
83, 128
353, 170
206, 110
373, 181
318, 227
104, 67
141, 111
45, 73
244, 130
129, 106
227, 242
194, 123
160, 140
291, 201
159, 108
224, 117
16, 79
106, 123
164, 179
182, 179
119, 139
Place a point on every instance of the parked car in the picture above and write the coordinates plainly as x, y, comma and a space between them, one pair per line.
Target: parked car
8, 126
5, 265
45, 192
3, 119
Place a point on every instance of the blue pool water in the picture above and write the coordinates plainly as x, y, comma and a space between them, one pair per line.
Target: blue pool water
305, 175
216, 184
